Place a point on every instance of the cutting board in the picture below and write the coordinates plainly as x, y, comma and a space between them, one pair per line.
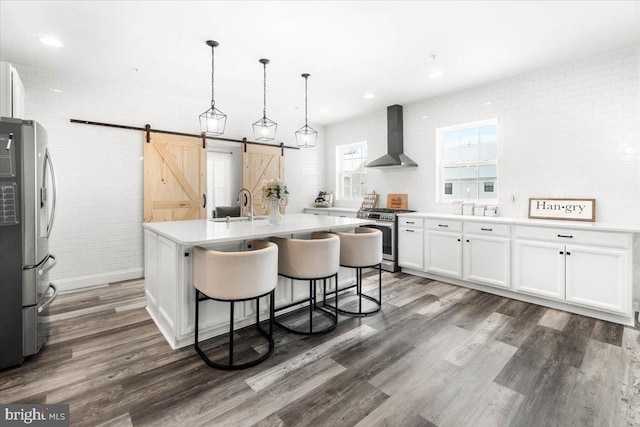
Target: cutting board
397, 201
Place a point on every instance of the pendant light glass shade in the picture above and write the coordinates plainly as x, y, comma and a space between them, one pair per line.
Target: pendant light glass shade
265, 128
306, 136
212, 121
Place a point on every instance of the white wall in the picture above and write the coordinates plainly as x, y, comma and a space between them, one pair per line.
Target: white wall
568, 131
97, 236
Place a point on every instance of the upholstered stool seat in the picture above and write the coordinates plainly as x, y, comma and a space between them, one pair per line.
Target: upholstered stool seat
361, 249
233, 277
312, 259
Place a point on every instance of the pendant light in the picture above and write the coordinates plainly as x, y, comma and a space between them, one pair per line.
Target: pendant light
306, 136
212, 121
265, 129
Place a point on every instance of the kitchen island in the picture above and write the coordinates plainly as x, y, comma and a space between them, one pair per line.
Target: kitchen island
168, 269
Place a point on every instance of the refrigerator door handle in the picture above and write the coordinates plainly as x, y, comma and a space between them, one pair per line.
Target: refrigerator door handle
48, 267
49, 300
47, 158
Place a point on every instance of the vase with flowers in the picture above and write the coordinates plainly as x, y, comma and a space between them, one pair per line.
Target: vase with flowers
274, 195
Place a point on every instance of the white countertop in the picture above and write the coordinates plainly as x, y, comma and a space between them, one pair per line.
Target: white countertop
202, 231
580, 225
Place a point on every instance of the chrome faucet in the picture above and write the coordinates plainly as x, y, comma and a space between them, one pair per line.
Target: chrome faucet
239, 201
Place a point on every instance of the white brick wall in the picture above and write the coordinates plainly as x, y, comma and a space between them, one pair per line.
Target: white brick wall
567, 131
97, 236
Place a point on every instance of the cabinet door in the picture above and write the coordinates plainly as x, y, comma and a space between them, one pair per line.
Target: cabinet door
151, 267
411, 248
444, 253
599, 278
539, 268
167, 277
487, 260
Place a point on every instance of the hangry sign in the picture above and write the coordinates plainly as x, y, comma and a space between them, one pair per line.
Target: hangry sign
567, 209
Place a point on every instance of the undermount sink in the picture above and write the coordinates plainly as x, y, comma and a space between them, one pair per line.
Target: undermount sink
238, 219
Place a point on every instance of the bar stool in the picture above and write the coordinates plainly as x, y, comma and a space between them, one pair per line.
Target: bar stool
314, 259
235, 277
361, 249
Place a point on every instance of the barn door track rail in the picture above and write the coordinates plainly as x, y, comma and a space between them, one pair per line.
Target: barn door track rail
147, 129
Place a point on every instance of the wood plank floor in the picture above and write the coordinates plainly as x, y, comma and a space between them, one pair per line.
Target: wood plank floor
437, 355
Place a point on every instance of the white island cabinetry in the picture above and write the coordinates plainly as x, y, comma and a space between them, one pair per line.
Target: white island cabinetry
584, 268
169, 269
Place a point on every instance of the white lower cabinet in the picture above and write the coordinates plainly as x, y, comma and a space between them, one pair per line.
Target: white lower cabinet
539, 268
443, 253
590, 276
586, 268
487, 260
411, 248
598, 278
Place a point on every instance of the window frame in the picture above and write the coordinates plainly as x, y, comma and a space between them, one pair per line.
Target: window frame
440, 163
339, 169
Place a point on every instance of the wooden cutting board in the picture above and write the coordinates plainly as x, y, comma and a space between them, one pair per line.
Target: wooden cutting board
397, 201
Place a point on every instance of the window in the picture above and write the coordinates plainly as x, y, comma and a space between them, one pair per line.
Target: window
351, 175
468, 162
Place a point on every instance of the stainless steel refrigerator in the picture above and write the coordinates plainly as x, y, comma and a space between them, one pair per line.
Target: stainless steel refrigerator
27, 208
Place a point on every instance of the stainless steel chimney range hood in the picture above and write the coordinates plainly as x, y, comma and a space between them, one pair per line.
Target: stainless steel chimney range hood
395, 157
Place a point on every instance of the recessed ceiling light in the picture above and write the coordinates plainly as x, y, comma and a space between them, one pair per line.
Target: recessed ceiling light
50, 41
369, 96
435, 74
324, 110
425, 117
55, 90
487, 103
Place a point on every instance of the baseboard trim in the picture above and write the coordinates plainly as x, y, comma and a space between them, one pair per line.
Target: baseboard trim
96, 280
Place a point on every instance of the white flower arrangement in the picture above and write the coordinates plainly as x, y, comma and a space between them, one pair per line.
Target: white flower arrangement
274, 190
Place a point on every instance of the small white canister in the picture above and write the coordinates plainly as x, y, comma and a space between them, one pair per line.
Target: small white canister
456, 207
479, 210
491, 210
467, 208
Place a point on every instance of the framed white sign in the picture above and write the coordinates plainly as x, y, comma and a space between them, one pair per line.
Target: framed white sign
568, 209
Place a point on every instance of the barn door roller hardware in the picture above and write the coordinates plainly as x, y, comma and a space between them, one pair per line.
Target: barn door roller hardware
147, 129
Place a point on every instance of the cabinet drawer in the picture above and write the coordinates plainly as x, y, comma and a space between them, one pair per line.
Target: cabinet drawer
411, 222
502, 230
444, 225
563, 235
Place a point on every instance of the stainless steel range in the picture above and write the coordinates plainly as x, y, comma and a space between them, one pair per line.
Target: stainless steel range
386, 220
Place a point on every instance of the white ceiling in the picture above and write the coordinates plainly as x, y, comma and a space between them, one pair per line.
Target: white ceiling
348, 47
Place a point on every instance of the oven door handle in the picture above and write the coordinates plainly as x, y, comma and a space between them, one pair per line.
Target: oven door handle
379, 224
49, 300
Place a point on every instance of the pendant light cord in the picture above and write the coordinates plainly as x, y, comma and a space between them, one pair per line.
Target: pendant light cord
264, 109
305, 100
213, 102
